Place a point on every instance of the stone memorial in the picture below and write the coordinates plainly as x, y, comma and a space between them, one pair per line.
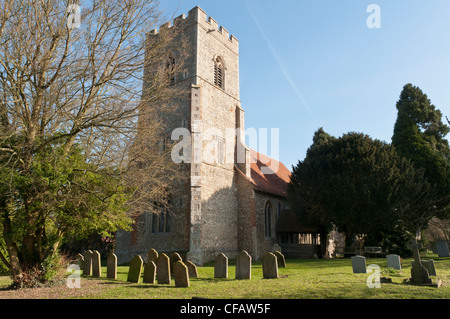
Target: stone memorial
269, 266
150, 273
173, 259
111, 266
152, 255
87, 268
393, 261
419, 274
96, 264
359, 265
442, 249
280, 259
192, 269
163, 269
180, 274
428, 264
79, 261
243, 265
221, 266
135, 271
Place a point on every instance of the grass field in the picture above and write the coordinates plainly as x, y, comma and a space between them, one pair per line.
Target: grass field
301, 279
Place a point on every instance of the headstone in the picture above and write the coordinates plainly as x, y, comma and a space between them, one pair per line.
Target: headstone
442, 249
87, 268
173, 259
428, 264
393, 261
111, 266
79, 260
152, 255
150, 273
243, 265
163, 269
96, 264
280, 259
180, 274
135, 270
221, 266
419, 274
269, 266
192, 269
359, 264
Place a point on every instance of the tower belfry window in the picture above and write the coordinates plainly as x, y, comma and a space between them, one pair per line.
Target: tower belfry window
170, 69
219, 73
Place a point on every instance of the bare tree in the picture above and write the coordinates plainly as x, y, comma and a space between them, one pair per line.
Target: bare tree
70, 96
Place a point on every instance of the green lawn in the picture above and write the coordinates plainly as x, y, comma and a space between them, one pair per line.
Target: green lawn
301, 279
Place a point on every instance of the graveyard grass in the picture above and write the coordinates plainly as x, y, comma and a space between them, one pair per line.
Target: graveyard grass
301, 279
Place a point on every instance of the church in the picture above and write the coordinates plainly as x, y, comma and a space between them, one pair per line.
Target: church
230, 204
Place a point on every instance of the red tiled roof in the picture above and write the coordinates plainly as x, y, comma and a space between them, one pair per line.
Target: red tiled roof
275, 183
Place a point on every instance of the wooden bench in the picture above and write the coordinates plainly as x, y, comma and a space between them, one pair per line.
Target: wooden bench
373, 252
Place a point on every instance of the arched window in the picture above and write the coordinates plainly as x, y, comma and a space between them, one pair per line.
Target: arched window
219, 73
268, 219
170, 69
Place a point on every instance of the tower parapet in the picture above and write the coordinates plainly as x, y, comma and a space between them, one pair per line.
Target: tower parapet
197, 15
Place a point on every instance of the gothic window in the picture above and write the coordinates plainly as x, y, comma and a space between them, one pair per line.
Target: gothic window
219, 73
170, 69
268, 219
161, 218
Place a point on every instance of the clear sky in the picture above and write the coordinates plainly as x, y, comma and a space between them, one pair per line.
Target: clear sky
310, 64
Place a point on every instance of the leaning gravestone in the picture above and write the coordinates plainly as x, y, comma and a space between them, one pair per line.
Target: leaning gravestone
163, 269
359, 264
96, 264
79, 261
442, 249
192, 269
221, 266
135, 270
393, 261
280, 259
152, 255
269, 266
243, 266
150, 273
428, 264
87, 268
180, 274
173, 259
111, 266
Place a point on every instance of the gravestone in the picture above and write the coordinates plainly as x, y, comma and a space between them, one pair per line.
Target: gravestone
111, 266
173, 259
359, 265
428, 264
269, 266
393, 261
180, 274
163, 269
419, 274
135, 270
243, 266
280, 259
192, 269
442, 249
79, 261
96, 264
152, 255
87, 268
150, 273
221, 266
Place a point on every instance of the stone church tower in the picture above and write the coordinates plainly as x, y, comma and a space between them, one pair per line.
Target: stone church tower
228, 204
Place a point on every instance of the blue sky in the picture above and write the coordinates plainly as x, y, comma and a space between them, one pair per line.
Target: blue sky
310, 64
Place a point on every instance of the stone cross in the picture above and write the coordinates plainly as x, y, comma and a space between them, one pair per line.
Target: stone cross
180, 274
111, 266
419, 274
221, 266
96, 264
243, 266
163, 269
135, 270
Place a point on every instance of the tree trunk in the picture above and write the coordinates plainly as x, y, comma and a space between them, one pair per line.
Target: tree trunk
16, 269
